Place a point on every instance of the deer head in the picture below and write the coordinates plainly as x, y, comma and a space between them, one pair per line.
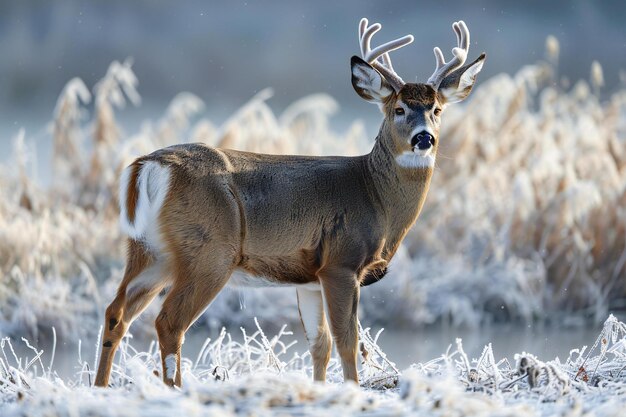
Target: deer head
412, 111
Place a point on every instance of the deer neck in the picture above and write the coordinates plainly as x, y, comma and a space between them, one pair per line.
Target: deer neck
399, 192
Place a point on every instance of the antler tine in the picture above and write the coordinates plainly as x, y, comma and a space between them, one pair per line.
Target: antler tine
379, 57
444, 68
366, 37
386, 59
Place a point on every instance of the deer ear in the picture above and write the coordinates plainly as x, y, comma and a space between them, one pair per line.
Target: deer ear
368, 82
458, 84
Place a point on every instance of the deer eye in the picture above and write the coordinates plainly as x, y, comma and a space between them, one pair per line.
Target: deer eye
399, 111
437, 111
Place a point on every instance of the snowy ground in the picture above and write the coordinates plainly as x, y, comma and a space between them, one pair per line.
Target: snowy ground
262, 376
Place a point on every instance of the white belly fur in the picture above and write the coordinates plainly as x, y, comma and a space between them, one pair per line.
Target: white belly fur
241, 280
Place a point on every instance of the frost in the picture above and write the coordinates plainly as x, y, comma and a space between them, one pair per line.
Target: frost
264, 376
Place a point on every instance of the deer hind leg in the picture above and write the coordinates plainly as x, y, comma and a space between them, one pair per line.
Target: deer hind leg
143, 280
341, 295
192, 292
311, 309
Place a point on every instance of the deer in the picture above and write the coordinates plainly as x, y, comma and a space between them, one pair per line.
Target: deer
199, 218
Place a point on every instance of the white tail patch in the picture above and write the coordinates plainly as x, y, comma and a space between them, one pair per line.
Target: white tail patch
153, 184
170, 366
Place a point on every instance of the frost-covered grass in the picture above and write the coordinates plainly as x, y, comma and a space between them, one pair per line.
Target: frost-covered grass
264, 376
526, 216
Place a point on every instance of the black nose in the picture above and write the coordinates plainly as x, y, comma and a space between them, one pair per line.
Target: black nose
423, 140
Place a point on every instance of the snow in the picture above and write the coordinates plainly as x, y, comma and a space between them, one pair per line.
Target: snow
267, 376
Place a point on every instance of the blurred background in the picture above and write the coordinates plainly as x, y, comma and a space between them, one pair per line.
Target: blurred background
225, 52
524, 227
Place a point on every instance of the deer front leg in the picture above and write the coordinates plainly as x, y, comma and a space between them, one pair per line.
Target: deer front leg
341, 295
311, 309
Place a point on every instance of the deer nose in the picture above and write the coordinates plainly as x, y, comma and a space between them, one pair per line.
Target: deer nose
423, 140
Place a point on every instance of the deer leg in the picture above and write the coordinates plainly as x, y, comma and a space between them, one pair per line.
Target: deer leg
143, 279
341, 296
311, 309
190, 295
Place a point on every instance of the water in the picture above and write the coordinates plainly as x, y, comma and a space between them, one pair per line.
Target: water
406, 348
401, 346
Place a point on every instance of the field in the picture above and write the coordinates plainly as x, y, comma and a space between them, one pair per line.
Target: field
525, 222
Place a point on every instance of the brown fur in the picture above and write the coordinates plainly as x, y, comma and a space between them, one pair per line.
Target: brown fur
333, 221
291, 219
287, 232
418, 95
133, 192
122, 311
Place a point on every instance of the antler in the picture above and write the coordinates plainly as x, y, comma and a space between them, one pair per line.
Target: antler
460, 55
379, 56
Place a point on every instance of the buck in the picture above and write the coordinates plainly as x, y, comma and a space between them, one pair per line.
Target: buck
194, 215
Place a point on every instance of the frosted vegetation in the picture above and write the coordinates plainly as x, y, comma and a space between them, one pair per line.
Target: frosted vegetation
262, 376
